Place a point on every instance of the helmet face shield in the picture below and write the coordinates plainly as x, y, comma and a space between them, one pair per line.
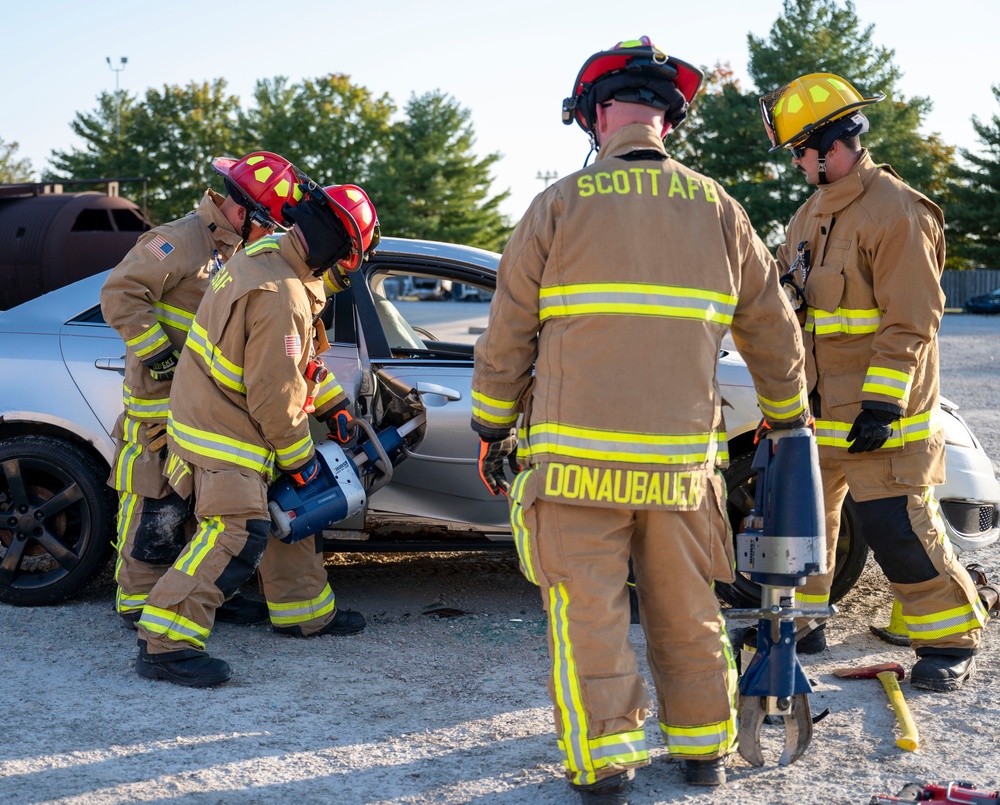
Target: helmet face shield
767, 114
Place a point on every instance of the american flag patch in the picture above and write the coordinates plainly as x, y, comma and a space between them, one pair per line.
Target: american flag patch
293, 346
159, 247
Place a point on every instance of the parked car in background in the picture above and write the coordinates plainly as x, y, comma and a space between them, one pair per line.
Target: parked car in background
984, 303
60, 394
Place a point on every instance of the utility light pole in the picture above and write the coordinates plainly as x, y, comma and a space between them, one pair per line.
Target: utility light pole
546, 177
118, 97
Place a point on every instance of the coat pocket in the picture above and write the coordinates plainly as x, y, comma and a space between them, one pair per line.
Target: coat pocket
825, 288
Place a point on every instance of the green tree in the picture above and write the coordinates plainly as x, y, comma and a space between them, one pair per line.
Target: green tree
13, 170
432, 185
973, 219
810, 36
331, 129
170, 136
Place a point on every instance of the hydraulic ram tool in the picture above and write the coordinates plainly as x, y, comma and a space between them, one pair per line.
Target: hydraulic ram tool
783, 541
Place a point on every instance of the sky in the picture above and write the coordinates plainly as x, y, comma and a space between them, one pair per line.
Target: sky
509, 62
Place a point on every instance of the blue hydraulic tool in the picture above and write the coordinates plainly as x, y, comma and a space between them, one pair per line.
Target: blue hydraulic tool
782, 542
346, 479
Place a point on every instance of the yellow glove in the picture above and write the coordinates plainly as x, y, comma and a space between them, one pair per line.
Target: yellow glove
156, 433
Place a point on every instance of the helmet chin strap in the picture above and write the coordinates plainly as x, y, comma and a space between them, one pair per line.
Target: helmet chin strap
247, 224
821, 169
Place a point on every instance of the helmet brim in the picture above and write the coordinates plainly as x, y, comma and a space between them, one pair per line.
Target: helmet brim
353, 260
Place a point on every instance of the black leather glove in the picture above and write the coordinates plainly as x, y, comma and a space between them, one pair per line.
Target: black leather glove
306, 473
325, 236
492, 454
870, 430
162, 366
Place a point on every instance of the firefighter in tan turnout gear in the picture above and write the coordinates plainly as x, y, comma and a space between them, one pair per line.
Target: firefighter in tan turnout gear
238, 419
863, 258
618, 286
150, 298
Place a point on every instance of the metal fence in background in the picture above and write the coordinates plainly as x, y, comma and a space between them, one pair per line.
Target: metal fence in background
960, 285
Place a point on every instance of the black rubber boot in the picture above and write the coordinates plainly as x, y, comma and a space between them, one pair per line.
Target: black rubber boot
131, 618
609, 791
344, 622
239, 609
190, 668
705, 772
941, 672
812, 643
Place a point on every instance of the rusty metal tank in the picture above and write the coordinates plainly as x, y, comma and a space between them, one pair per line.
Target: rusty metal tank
49, 239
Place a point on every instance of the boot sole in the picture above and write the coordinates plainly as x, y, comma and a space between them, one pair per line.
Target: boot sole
150, 671
944, 685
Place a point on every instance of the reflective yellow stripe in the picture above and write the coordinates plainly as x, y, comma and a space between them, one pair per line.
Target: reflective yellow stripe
328, 391
522, 541
151, 342
490, 409
221, 368
889, 382
566, 686
843, 321
552, 439
266, 243
297, 612
124, 604
957, 620
129, 455
127, 503
784, 409
214, 445
708, 740
831, 433
141, 408
176, 317
295, 454
636, 299
174, 626
200, 546
806, 601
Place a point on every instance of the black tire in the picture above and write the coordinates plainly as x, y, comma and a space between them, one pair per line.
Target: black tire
56, 520
852, 551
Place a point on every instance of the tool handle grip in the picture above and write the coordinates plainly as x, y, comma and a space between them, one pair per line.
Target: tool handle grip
909, 740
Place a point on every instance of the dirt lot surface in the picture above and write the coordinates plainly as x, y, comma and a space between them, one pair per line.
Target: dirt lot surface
442, 699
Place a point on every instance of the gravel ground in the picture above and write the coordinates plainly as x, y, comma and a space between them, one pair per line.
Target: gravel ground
442, 699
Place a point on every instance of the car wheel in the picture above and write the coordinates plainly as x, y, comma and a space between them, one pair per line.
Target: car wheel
56, 520
852, 551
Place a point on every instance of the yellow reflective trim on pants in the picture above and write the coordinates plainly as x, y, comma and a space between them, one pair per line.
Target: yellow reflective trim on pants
127, 503
957, 620
806, 601
522, 538
173, 626
296, 612
709, 740
568, 698
125, 604
199, 547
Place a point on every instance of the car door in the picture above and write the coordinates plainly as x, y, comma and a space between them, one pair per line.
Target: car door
406, 344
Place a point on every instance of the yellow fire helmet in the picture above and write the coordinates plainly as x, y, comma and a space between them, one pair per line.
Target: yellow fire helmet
809, 105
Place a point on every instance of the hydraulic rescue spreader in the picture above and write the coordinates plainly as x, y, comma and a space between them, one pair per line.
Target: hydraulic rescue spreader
782, 542
347, 477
